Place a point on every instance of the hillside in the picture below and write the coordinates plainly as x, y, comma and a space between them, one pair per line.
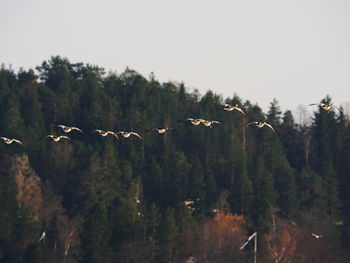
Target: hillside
192, 193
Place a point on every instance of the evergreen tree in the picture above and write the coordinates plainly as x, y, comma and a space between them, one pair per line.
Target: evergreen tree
168, 238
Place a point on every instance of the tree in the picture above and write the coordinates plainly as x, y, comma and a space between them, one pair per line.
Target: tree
168, 238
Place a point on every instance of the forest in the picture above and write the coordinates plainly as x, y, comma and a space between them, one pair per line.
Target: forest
192, 194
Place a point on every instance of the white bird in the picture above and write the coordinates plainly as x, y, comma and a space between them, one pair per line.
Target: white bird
43, 235
230, 107
188, 202
128, 134
260, 124
68, 129
105, 133
210, 123
159, 130
57, 138
316, 236
9, 141
194, 122
326, 106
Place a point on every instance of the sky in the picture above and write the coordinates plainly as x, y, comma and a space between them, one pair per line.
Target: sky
296, 51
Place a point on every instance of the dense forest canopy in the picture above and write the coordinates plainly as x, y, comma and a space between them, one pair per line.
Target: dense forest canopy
192, 193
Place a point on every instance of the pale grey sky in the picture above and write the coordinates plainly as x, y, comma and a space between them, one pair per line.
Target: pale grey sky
296, 51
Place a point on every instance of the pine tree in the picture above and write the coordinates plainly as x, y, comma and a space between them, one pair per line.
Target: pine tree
324, 137
264, 195
168, 238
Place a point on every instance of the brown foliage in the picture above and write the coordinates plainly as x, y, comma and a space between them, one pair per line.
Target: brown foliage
44, 206
288, 242
29, 185
221, 237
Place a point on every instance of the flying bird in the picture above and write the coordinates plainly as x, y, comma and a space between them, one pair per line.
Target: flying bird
105, 133
57, 138
316, 236
230, 107
68, 129
260, 124
43, 235
159, 130
210, 123
128, 134
194, 122
9, 141
326, 106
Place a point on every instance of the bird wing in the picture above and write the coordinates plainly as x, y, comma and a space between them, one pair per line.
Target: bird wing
65, 137
270, 126
240, 110
4, 138
18, 141
76, 128
111, 132
61, 126
317, 236
50, 136
216, 122
313, 104
136, 134
338, 108
42, 236
253, 122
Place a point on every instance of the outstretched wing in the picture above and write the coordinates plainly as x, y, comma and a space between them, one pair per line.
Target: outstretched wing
270, 126
253, 122
240, 110
18, 141
98, 131
338, 108
187, 119
76, 128
136, 134
65, 137
313, 104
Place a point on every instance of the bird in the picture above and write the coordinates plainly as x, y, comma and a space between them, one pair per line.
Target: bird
194, 122
128, 134
230, 107
210, 123
43, 235
57, 138
326, 106
260, 124
9, 141
159, 130
105, 133
68, 129
188, 202
316, 236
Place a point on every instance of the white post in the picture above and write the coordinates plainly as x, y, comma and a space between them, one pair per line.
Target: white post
255, 245
255, 235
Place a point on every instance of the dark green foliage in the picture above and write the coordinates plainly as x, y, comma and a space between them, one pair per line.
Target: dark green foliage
130, 193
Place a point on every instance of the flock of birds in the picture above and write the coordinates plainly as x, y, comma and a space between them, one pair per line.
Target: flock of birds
162, 130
